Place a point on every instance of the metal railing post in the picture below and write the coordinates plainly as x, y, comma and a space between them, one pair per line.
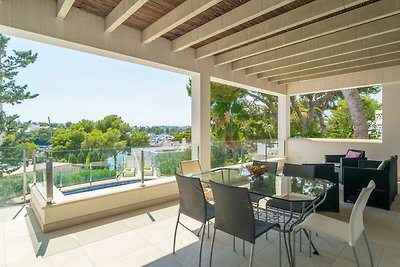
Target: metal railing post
90, 173
142, 168
266, 151
49, 180
25, 187
34, 167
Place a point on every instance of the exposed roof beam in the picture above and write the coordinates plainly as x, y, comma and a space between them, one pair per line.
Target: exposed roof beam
177, 16
373, 66
341, 66
63, 7
318, 64
122, 12
231, 19
277, 24
320, 48
330, 25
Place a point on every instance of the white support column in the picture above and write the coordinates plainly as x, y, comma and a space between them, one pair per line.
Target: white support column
201, 129
390, 121
283, 122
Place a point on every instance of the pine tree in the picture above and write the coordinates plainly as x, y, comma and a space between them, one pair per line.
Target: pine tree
12, 93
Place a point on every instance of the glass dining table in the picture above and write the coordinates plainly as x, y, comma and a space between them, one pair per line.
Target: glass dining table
292, 192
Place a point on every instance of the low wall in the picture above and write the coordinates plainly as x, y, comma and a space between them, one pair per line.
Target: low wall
313, 150
84, 207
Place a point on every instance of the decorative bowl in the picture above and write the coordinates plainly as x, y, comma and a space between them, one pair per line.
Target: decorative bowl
257, 170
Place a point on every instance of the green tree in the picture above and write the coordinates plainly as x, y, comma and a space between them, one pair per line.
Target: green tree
94, 139
114, 122
308, 113
12, 93
186, 134
85, 125
29, 148
238, 114
138, 139
41, 137
340, 123
68, 139
11, 159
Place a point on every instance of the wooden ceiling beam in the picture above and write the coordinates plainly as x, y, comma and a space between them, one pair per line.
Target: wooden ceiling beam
176, 17
337, 67
122, 12
373, 66
333, 61
341, 43
295, 17
63, 7
231, 19
372, 19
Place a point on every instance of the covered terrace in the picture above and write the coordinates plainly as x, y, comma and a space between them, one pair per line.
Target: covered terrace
279, 47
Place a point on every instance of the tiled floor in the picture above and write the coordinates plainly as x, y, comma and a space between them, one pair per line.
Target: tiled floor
144, 238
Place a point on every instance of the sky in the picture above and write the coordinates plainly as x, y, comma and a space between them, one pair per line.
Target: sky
74, 85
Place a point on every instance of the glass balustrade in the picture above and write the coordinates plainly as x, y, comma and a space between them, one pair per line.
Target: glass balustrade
76, 171
240, 152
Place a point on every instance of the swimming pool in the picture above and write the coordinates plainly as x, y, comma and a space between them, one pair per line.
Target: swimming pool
98, 187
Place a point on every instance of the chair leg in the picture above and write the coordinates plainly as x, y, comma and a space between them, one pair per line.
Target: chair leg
301, 246
176, 229
234, 243
355, 256
201, 244
369, 249
266, 220
212, 245
208, 229
244, 247
280, 249
251, 255
309, 244
294, 248
201, 228
258, 211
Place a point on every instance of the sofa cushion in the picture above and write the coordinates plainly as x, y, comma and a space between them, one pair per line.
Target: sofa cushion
352, 154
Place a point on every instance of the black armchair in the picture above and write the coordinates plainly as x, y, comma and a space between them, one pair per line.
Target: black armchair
344, 160
327, 171
355, 178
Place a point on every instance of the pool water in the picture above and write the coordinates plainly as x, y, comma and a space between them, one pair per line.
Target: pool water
98, 187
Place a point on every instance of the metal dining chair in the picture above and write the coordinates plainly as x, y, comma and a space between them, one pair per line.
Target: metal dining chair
296, 170
190, 166
281, 207
348, 232
193, 204
234, 215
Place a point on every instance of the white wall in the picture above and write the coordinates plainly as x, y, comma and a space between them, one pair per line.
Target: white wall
300, 150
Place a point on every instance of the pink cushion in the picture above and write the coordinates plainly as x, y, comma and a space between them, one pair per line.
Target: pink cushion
352, 154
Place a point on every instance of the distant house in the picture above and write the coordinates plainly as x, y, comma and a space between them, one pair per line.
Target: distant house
33, 127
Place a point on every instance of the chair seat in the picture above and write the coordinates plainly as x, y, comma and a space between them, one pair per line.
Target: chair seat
325, 225
255, 197
285, 205
210, 211
261, 227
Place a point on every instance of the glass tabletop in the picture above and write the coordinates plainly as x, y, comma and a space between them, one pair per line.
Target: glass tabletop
270, 185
